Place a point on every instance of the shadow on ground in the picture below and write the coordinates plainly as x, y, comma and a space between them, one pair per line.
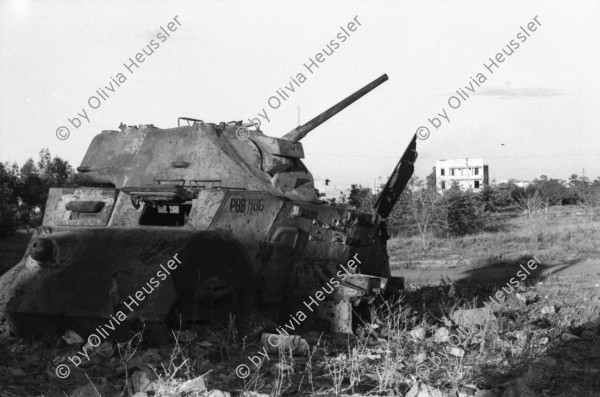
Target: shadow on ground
551, 316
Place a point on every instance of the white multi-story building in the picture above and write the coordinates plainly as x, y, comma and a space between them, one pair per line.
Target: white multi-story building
467, 173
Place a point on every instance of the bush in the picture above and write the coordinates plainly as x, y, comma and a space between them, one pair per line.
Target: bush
465, 213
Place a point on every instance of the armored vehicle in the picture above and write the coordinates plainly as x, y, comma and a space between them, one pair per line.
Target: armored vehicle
200, 223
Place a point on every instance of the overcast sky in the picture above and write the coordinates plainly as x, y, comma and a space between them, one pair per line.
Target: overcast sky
537, 113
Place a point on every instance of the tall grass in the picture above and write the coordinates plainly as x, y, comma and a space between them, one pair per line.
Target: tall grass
563, 235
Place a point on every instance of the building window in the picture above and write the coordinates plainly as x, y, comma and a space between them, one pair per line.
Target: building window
476, 184
452, 171
476, 171
442, 172
443, 185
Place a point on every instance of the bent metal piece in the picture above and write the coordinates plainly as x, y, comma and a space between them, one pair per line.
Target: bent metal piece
241, 216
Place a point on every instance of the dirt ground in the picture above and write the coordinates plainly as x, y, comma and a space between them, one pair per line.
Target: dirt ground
542, 340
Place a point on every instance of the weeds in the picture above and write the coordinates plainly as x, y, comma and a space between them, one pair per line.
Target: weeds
558, 238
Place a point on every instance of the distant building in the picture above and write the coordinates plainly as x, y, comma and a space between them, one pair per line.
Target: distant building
518, 183
467, 173
330, 191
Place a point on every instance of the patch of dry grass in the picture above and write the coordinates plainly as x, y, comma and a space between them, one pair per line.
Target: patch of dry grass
394, 350
563, 235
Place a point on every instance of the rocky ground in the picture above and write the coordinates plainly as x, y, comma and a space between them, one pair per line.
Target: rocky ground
541, 339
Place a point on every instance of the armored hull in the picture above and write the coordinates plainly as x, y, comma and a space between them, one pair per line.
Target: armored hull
200, 223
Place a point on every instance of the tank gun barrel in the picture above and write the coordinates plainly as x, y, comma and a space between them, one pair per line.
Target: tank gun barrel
300, 132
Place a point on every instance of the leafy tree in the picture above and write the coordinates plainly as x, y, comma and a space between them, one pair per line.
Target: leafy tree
400, 220
362, 198
552, 190
27, 188
590, 199
495, 197
465, 213
32, 186
454, 187
9, 202
431, 180
426, 208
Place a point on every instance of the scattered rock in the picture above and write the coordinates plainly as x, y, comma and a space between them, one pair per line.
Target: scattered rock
418, 358
467, 390
543, 341
521, 298
422, 390
548, 310
186, 336
274, 342
520, 336
151, 355
105, 349
318, 354
457, 352
141, 381
441, 335
470, 318
569, 337
487, 393
446, 321
134, 362
313, 338
451, 291
418, 333
72, 338
197, 385
406, 311
313, 334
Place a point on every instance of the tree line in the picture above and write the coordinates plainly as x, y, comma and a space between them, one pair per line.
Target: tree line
424, 211
24, 189
421, 210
